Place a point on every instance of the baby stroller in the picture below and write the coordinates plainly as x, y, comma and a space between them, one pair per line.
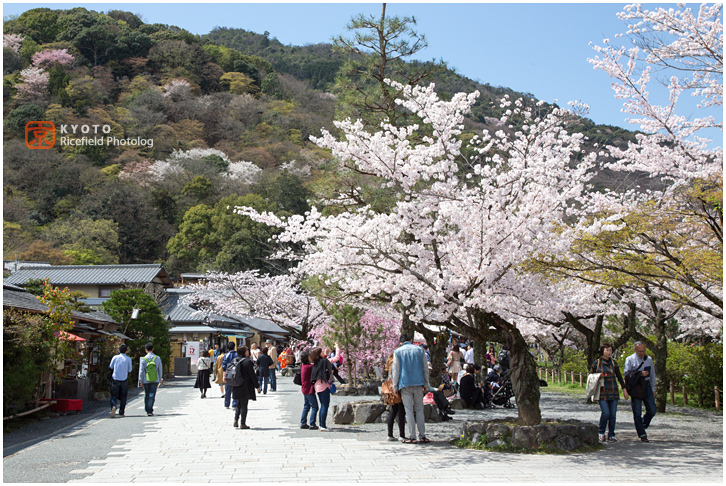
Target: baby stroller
502, 396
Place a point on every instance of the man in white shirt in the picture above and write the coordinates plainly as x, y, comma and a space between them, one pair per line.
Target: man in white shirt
121, 366
469, 354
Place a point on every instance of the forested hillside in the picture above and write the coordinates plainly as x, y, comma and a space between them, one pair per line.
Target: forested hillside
189, 127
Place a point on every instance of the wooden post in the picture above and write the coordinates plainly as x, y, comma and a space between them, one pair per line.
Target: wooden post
581, 385
673, 394
685, 397
540, 373
572, 377
718, 397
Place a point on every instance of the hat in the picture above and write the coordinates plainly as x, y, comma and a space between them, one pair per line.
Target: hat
497, 368
269, 341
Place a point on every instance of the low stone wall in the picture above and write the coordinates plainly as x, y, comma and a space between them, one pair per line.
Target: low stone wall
357, 391
562, 434
372, 412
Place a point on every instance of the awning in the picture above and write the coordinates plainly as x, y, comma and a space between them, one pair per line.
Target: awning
276, 336
66, 336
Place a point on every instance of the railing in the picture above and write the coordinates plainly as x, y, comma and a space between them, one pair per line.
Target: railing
560, 377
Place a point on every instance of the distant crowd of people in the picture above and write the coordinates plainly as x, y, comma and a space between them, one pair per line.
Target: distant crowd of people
244, 372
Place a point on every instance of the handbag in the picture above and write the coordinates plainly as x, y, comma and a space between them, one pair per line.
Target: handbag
388, 394
333, 389
297, 379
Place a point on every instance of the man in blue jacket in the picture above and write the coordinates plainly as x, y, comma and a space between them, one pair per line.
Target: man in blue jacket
227, 361
410, 376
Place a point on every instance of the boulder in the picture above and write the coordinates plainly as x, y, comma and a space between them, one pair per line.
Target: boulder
99, 396
343, 414
475, 437
368, 412
496, 431
545, 433
361, 390
568, 429
372, 389
588, 434
431, 413
496, 443
470, 428
457, 404
567, 443
524, 437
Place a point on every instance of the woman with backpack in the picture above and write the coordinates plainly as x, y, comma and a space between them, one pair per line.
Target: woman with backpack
311, 402
244, 392
320, 379
609, 393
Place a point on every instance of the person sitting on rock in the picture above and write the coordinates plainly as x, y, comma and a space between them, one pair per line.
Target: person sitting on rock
469, 390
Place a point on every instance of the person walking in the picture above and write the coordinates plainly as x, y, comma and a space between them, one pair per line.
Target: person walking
246, 391
491, 357
272, 353
217, 351
397, 410
642, 363
254, 352
320, 377
121, 366
410, 380
608, 368
218, 373
308, 391
150, 373
264, 363
229, 357
469, 354
204, 368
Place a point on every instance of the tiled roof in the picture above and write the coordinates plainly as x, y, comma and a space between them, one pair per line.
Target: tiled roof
178, 312
91, 274
263, 325
27, 301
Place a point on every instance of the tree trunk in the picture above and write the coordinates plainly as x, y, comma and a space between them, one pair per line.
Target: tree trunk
437, 350
522, 371
480, 352
407, 325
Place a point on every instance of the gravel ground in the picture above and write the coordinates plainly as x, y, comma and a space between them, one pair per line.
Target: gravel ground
678, 424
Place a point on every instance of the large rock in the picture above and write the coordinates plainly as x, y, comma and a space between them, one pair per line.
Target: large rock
588, 434
343, 414
100, 396
545, 433
431, 413
366, 413
524, 437
457, 404
470, 428
496, 443
496, 431
567, 443
568, 429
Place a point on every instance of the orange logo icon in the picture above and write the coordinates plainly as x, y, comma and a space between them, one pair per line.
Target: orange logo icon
40, 134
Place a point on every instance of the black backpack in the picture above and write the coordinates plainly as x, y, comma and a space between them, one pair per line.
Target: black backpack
233, 376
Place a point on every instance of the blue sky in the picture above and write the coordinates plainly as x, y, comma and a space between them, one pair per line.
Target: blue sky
537, 48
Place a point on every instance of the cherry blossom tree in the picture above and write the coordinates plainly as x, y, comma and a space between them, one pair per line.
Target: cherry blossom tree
280, 299
51, 57
450, 248
12, 41
34, 85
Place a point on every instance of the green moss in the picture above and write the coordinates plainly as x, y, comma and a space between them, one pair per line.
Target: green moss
543, 449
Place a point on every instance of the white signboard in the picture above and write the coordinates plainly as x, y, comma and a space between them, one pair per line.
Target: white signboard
193, 351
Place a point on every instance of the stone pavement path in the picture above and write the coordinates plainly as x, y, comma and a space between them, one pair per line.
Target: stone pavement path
186, 445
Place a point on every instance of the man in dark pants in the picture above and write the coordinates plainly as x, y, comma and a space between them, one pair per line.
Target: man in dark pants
226, 361
121, 367
639, 361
